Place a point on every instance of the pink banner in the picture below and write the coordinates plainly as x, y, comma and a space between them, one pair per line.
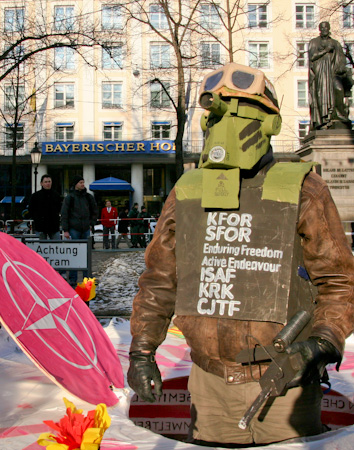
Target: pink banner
54, 326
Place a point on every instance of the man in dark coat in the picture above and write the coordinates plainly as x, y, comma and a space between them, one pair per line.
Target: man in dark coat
123, 227
143, 226
44, 208
78, 214
134, 224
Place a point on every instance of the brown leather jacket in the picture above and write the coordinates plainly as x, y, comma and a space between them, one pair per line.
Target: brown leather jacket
215, 342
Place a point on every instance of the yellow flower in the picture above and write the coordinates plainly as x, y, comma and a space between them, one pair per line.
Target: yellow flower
102, 419
75, 430
48, 440
71, 405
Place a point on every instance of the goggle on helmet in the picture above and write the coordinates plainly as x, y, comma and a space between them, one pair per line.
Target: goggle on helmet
237, 80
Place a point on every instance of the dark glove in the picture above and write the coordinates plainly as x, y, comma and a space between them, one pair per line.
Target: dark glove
315, 354
142, 370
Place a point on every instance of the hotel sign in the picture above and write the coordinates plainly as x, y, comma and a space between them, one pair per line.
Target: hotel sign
109, 147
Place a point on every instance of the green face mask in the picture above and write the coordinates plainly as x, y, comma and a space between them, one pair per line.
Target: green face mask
237, 132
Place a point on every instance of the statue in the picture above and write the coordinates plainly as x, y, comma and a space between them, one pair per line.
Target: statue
330, 82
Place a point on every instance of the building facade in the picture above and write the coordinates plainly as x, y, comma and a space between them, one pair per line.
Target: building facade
107, 109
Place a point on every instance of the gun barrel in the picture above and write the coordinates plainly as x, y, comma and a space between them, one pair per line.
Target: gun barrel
289, 333
252, 410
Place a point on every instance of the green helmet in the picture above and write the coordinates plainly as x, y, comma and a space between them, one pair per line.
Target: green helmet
242, 114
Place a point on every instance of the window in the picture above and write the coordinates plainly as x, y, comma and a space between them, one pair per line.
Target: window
259, 55
209, 16
64, 132
302, 49
112, 18
16, 54
348, 16
9, 136
305, 16
112, 57
160, 56
64, 58
348, 50
64, 95
111, 95
14, 19
112, 131
158, 96
158, 17
210, 54
13, 99
64, 18
303, 130
257, 16
302, 94
160, 130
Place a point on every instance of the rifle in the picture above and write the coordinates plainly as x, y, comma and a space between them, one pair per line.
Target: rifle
283, 367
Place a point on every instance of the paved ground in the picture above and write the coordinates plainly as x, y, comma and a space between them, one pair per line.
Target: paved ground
100, 257
117, 273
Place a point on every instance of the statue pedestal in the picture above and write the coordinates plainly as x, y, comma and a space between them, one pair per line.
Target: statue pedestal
334, 150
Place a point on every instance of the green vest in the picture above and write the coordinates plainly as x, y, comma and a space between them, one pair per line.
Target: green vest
244, 263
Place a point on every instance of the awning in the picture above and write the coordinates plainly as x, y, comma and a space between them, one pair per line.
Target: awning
8, 199
111, 184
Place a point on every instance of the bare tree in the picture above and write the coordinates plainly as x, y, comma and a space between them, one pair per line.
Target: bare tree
18, 106
179, 23
29, 35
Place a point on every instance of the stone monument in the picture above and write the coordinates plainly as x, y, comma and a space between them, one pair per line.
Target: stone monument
330, 141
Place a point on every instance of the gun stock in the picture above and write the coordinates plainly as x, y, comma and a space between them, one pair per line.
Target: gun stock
283, 367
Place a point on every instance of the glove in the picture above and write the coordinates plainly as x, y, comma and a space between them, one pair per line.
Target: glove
142, 370
315, 354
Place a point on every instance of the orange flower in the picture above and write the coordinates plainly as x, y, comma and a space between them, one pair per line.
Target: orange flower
87, 289
75, 431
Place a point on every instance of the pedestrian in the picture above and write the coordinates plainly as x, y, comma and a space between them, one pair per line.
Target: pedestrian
134, 225
224, 264
123, 227
78, 215
44, 208
143, 226
109, 217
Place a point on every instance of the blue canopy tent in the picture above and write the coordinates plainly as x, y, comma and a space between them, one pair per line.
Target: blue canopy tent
112, 184
8, 199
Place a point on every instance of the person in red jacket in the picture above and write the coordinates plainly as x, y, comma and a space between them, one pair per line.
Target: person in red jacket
109, 217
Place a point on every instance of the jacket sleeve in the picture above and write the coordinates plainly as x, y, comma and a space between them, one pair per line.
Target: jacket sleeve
153, 306
65, 213
329, 261
32, 207
94, 210
57, 202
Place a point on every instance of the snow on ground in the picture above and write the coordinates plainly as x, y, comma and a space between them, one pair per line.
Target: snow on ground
117, 284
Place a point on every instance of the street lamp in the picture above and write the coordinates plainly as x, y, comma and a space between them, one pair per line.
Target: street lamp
36, 156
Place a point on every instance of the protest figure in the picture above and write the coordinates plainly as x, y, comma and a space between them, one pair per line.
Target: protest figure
243, 245
330, 82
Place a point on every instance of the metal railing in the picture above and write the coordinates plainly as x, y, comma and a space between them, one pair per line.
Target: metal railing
19, 228
98, 234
